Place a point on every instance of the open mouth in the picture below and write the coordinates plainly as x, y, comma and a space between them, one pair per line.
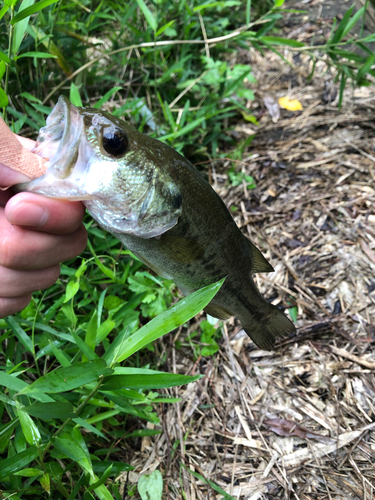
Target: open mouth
59, 140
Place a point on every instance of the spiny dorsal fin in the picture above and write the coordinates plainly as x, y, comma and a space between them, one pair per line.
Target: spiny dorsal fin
259, 263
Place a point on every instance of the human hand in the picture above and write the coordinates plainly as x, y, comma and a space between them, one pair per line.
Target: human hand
36, 234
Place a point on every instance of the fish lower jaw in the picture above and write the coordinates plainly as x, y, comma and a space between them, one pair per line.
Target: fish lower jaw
52, 187
125, 222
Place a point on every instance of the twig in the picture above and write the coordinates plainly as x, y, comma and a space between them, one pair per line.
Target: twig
206, 46
352, 357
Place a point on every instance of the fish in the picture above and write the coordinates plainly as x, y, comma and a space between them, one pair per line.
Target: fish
160, 207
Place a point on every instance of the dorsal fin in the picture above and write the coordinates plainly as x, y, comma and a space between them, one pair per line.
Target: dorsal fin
259, 263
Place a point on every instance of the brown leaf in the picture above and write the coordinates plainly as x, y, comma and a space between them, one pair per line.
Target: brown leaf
286, 428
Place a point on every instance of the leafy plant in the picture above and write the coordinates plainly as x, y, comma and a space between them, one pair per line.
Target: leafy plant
237, 178
209, 335
80, 390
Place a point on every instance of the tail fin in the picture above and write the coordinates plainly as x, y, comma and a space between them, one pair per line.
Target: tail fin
265, 332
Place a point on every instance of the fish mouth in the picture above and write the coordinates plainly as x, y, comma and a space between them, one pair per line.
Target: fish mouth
58, 142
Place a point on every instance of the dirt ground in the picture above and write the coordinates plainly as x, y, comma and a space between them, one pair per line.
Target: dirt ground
295, 423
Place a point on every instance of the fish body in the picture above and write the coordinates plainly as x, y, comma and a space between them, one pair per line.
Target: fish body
155, 202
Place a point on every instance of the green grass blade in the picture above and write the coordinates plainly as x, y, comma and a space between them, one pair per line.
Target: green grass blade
117, 467
11, 382
19, 29
82, 423
276, 40
29, 429
104, 330
248, 11
3, 11
363, 70
73, 449
74, 95
91, 332
88, 353
38, 55
45, 411
103, 479
106, 97
176, 315
18, 385
3, 67
102, 491
18, 462
159, 381
151, 21
213, 485
33, 9
20, 334
339, 33
369, 38
4, 57
4, 101
353, 21
66, 379
163, 28
190, 126
293, 312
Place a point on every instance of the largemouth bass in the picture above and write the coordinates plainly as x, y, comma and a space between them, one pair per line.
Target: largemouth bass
158, 205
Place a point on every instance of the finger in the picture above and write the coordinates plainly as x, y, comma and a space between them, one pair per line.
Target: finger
26, 250
44, 214
9, 177
20, 283
12, 305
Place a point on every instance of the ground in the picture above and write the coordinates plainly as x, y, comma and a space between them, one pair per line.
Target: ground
294, 423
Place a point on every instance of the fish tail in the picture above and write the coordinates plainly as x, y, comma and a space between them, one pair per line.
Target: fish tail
274, 324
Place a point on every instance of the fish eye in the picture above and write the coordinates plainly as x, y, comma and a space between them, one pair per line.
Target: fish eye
115, 141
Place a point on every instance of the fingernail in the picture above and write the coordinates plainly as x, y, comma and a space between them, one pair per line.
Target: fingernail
27, 214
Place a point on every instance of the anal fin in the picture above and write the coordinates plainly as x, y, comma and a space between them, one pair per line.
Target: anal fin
217, 311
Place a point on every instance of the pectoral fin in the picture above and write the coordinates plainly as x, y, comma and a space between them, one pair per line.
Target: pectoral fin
179, 249
259, 263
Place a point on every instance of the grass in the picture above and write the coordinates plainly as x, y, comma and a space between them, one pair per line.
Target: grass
66, 397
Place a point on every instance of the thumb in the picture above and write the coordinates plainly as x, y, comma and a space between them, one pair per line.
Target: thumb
17, 164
